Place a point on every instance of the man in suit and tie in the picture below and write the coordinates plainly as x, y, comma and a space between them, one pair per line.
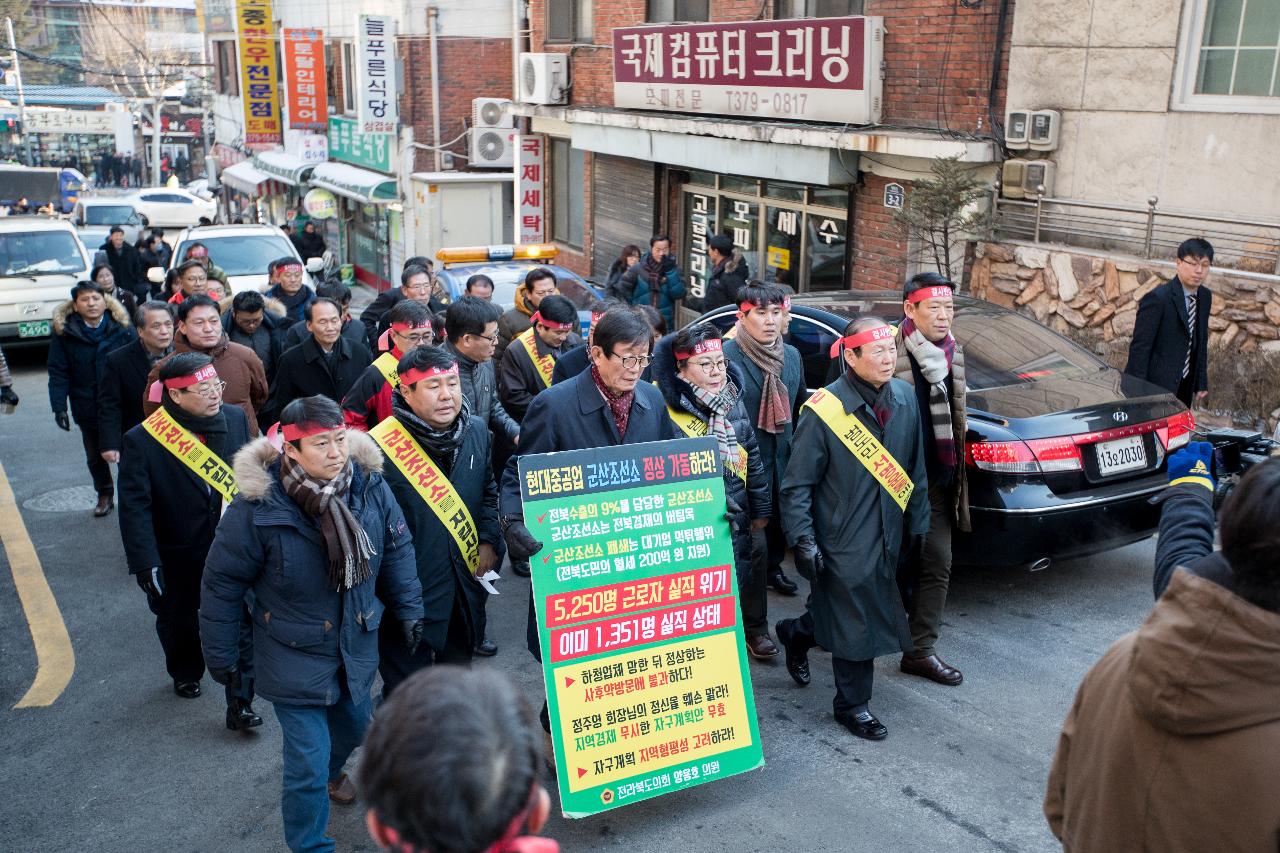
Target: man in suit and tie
1170, 346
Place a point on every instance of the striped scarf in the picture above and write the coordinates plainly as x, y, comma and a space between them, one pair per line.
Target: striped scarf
715, 409
935, 362
346, 545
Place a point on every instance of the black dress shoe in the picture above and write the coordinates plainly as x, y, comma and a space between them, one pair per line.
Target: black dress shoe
240, 716
932, 668
186, 689
521, 568
486, 648
105, 504
781, 583
863, 724
797, 660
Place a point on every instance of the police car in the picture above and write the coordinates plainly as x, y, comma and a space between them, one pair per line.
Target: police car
507, 266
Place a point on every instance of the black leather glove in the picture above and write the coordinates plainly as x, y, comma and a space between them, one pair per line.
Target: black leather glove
520, 542
151, 581
412, 634
226, 676
808, 558
732, 511
63, 422
7, 395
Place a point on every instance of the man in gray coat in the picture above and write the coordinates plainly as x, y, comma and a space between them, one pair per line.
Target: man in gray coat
846, 513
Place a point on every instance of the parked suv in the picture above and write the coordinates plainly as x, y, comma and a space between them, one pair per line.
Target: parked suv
40, 260
94, 217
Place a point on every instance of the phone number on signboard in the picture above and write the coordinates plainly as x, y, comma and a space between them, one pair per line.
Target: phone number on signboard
780, 103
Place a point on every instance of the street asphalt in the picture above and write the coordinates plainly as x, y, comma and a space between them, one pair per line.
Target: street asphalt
119, 763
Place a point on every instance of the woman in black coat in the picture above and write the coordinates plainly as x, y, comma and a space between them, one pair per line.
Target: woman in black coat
703, 393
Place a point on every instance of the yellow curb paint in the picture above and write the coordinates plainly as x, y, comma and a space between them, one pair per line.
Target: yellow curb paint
55, 659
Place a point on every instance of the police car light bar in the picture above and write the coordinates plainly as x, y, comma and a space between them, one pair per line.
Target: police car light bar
508, 252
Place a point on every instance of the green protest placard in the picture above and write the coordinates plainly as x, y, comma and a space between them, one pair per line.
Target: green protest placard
638, 621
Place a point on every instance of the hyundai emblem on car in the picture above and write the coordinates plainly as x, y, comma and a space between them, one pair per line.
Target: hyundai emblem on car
1120, 417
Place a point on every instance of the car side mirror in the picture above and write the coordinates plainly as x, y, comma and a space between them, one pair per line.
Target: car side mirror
315, 265
155, 275
144, 219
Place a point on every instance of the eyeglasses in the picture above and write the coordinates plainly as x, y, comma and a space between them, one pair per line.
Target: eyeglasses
213, 389
419, 288
631, 362
1195, 264
709, 366
493, 340
417, 340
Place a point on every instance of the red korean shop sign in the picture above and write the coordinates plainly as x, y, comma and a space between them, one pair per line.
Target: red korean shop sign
308, 102
812, 69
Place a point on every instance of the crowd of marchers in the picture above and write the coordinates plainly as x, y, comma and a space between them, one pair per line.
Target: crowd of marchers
283, 467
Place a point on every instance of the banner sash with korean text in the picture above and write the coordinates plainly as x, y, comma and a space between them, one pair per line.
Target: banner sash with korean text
387, 364
544, 364
697, 428
854, 435
192, 452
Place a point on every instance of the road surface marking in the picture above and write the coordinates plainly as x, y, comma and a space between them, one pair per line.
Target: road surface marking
55, 659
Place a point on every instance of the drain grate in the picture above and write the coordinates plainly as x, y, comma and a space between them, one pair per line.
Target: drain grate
70, 499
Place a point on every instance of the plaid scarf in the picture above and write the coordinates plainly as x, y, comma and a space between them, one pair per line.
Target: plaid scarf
775, 405
715, 409
346, 544
935, 362
619, 404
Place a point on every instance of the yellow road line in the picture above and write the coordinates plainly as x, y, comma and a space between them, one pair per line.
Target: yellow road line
55, 659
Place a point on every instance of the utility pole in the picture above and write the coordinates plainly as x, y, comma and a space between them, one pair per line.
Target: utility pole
22, 99
157, 178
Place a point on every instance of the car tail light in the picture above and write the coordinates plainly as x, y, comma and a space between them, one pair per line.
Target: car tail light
1034, 456
1177, 430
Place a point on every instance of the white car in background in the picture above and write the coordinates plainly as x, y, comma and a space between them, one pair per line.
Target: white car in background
241, 251
40, 260
166, 207
94, 217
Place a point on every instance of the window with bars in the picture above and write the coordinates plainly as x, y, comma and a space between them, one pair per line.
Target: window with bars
661, 11
569, 21
817, 8
1229, 59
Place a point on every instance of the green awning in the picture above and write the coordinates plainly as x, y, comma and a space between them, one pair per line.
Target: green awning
353, 182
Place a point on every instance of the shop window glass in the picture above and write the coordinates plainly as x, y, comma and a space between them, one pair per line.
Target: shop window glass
829, 197
781, 262
749, 186
784, 192
661, 11
827, 237
700, 222
740, 222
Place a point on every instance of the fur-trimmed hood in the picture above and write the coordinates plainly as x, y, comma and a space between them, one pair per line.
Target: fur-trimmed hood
255, 463
521, 303
62, 314
734, 260
667, 376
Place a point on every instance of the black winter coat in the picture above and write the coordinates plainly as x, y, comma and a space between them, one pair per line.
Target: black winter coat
729, 276
1186, 538
121, 387
76, 359
775, 450
126, 266
1160, 338
304, 371
168, 515
267, 341
305, 634
753, 497
480, 389
441, 568
518, 378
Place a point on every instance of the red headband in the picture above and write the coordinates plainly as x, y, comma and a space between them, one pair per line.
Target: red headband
384, 340
709, 345
417, 375
155, 393
289, 264
744, 307
297, 432
595, 316
550, 324
940, 291
879, 333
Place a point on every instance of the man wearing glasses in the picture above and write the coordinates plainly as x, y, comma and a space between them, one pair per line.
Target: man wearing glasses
1170, 345
368, 403
417, 283
170, 505
200, 330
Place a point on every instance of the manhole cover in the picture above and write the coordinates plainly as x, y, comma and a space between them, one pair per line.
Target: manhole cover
70, 499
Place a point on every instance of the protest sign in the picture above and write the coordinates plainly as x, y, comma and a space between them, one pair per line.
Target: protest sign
638, 621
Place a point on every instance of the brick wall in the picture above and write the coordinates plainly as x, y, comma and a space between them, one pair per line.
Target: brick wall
937, 56
879, 243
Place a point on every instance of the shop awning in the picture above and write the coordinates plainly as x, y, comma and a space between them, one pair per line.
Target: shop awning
243, 177
283, 167
355, 183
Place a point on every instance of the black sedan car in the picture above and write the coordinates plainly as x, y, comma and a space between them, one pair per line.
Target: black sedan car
1063, 452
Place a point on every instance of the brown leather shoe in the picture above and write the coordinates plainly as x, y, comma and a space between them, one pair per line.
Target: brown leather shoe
342, 790
105, 504
932, 668
761, 647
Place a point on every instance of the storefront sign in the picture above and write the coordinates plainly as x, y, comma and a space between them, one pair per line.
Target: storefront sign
258, 73
320, 204
701, 213
377, 104
215, 16
311, 147
818, 69
530, 204
73, 121
349, 145
637, 608
894, 196
308, 101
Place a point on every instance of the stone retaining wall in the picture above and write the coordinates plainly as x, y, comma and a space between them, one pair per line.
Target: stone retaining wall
1074, 289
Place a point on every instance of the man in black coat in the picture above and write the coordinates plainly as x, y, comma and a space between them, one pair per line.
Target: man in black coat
352, 329
325, 363
429, 409
416, 282
729, 273
125, 263
527, 366
124, 377
169, 512
1170, 345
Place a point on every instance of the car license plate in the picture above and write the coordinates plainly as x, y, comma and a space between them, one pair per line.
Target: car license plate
1123, 454
34, 329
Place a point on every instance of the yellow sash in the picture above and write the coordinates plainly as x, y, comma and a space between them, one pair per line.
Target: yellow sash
431, 485
386, 364
192, 452
863, 445
697, 428
544, 364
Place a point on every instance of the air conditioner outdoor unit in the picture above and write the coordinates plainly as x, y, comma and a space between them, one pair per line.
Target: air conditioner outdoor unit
492, 112
544, 78
1043, 130
1017, 126
492, 147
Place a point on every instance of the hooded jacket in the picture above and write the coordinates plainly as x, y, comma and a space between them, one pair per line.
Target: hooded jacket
1173, 742
729, 276
267, 341
305, 634
236, 365
513, 323
76, 358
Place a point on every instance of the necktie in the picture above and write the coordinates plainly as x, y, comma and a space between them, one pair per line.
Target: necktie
1191, 335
